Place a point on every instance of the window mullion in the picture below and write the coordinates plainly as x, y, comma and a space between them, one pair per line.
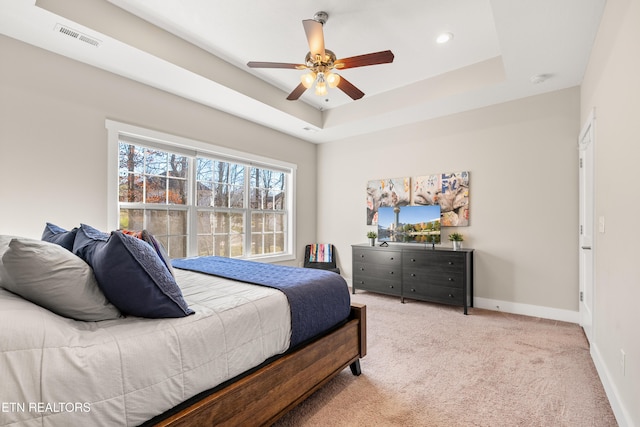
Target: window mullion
248, 215
143, 174
192, 214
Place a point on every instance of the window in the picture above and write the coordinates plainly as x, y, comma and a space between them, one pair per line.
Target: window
153, 194
199, 199
267, 194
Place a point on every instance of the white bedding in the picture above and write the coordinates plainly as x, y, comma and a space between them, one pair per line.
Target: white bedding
60, 372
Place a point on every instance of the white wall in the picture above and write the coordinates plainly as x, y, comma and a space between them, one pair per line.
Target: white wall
522, 160
611, 86
53, 141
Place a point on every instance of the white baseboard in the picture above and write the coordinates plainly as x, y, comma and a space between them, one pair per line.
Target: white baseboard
528, 310
518, 308
622, 415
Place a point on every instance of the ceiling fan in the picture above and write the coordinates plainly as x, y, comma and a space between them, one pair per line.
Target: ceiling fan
322, 62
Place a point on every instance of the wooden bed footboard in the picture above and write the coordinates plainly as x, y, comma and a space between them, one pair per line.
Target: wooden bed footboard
265, 395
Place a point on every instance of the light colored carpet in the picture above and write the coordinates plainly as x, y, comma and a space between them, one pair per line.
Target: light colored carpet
430, 365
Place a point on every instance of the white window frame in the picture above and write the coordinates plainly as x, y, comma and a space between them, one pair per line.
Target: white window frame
194, 147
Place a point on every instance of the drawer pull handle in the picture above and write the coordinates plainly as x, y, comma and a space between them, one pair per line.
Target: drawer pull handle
450, 262
391, 272
451, 296
361, 255
391, 286
450, 279
391, 258
413, 260
361, 268
413, 274
413, 290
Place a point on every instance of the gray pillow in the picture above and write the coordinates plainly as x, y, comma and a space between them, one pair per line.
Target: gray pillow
4, 245
54, 278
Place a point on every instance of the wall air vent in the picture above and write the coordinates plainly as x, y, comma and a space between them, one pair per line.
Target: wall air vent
63, 29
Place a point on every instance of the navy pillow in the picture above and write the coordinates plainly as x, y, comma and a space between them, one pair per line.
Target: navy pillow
155, 243
134, 278
85, 242
58, 235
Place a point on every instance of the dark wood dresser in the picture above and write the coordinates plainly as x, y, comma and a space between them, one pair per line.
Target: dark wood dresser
437, 275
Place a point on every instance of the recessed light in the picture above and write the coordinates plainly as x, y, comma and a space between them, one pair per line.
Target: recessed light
444, 38
539, 78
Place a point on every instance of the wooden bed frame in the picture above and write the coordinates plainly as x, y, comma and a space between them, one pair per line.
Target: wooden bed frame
265, 395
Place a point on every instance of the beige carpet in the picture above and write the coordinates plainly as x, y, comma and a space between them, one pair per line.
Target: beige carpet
429, 365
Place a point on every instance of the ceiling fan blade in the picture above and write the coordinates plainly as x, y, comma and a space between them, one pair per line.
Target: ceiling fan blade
315, 37
383, 57
255, 64
345, 86
297, 92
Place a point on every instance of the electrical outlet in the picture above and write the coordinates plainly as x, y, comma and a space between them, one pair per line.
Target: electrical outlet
623, 361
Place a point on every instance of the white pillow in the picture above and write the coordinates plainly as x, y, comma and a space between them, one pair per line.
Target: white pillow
54, 278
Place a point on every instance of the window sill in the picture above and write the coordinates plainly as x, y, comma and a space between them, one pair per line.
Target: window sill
273, 258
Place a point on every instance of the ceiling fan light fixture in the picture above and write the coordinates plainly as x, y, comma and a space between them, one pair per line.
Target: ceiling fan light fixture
321, 89
320, 61
307, 79
332, 79
321, 85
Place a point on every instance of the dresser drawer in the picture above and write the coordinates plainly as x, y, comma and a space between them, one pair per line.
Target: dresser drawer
418, 275
392, 272
377, 284
377, 256
443, 294
434, 261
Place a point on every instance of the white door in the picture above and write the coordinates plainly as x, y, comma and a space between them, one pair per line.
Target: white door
586, 248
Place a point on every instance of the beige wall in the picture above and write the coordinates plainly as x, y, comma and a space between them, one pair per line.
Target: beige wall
53, 141
522, 160
611, 86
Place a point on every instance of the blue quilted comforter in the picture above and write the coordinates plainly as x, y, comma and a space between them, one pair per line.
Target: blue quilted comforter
319, 300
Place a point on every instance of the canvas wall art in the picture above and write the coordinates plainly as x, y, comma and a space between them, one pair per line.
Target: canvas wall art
454, 203
448, 190
386, 192
426, 190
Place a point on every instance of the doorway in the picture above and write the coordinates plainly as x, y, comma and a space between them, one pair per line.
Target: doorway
586, 241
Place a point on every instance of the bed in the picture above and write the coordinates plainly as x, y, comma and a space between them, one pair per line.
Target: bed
232, 359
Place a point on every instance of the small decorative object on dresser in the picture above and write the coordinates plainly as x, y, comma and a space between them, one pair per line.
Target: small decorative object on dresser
412, 271
372, 238
456, 239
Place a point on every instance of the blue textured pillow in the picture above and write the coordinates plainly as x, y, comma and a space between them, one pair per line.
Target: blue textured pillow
157, 246
135, 279
86, 242
54, 234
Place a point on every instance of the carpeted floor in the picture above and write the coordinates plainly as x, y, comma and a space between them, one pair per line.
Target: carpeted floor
429, 365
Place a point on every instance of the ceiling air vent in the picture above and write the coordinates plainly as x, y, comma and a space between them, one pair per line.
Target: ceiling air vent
63, 29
